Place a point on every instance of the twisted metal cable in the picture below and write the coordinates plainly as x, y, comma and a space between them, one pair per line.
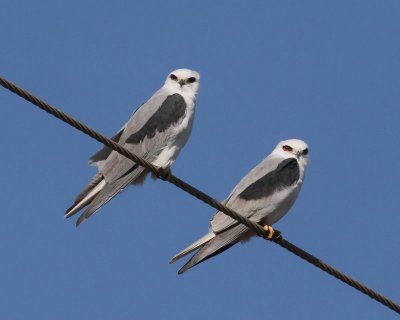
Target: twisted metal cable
159, 172
167, 176
338, 274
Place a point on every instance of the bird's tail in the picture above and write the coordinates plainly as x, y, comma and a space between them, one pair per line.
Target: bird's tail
87, 195
110, 190
217, 244
194, 246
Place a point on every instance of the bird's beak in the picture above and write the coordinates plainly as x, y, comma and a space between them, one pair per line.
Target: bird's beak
181, 82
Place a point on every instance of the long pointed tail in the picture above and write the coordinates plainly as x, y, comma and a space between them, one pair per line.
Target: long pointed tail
87, 195
216, 245
194, 246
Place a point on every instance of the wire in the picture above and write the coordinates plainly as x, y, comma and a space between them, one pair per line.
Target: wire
167, 176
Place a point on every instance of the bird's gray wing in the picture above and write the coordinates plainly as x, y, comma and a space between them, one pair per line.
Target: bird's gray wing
146, 137
101, 155
148, 142
255, 190
218, 244
136, 119
286, 174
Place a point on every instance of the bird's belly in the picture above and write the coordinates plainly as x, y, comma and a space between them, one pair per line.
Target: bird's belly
167, 156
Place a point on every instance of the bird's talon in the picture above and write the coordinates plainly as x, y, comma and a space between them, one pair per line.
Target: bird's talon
271, 232
164, 173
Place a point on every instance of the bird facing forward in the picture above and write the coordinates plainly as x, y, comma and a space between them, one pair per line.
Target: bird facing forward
264, 196
157, 131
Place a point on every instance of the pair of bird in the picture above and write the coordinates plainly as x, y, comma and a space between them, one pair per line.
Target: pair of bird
157, 131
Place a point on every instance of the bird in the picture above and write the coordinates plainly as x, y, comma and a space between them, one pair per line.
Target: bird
157, 131
264, 196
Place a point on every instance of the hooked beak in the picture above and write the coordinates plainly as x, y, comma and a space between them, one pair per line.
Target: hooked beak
181, 82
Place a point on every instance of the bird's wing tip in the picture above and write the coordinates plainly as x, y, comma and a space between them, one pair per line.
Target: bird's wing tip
80, 220
68, 214
183, 269
172, 260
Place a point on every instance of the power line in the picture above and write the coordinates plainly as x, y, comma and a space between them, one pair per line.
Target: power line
167, 176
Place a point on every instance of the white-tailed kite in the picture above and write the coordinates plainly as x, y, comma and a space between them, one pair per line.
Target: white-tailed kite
264, 195
157, 131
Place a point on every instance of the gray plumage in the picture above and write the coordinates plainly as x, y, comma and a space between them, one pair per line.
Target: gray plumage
264, 195
157, 131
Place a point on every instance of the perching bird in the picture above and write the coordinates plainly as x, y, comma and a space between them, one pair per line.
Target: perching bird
157, 131
264, 195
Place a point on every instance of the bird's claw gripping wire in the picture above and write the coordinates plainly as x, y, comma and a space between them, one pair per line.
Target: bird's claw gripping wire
272, 233
164, 173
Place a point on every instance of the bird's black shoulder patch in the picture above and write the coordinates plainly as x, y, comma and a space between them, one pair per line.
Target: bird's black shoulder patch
169, 113
286, 174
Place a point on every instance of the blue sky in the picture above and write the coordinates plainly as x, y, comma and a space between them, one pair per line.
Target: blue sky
324, 72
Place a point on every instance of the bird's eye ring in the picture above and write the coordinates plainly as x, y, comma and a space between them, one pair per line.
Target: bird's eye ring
191, 80
287, 148
173, 77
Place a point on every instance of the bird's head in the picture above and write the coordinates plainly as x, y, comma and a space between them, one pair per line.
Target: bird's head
183, 80
293, 148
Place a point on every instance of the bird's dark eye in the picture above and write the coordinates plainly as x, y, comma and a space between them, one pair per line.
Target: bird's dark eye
173, 77
305, 152
287, 148
191, 80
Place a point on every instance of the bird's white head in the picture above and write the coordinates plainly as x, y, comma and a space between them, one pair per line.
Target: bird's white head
293, 148
183, 81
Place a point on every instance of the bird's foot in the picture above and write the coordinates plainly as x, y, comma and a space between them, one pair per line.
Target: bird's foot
164, 173
272, 233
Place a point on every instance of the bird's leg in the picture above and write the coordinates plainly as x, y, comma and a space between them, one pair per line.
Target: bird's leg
270, 231
272, 234
164, 173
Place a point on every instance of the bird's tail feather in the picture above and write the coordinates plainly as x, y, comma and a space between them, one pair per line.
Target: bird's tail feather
193, 246
86, 196
216, 245
109, 191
